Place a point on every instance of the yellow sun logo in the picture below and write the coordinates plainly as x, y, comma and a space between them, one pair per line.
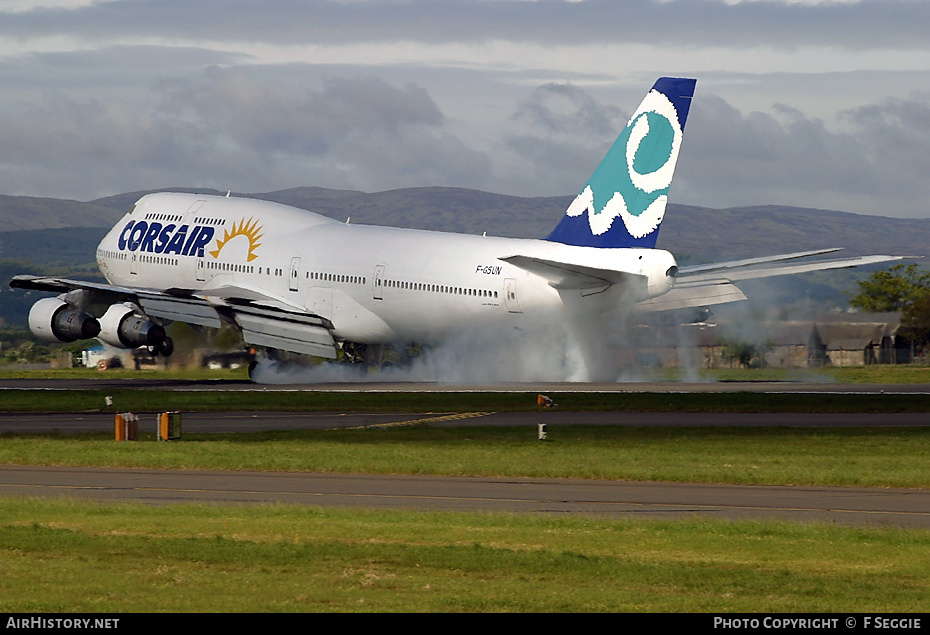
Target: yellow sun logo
250, 229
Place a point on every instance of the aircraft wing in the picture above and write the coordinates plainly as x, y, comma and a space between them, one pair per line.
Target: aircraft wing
709, 284
751, 268
264, 320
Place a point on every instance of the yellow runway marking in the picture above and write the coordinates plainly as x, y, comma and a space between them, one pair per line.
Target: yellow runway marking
416, 422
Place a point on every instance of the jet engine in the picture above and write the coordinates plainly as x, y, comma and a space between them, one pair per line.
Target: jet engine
122, 327
661, 270
54, 320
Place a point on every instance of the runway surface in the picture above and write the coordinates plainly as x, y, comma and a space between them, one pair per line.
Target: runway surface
238, 421
813, 385
613, 499
855, 506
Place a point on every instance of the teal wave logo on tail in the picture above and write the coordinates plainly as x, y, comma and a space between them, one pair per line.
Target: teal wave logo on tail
623, 203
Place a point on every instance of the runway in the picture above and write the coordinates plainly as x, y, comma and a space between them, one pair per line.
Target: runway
810, 385
239, 421
613, 499
848, 506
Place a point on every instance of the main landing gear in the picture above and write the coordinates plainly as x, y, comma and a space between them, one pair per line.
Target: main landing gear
164, 347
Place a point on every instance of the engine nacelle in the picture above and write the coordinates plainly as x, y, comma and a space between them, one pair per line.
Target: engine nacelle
661, 271
54, 320
122, 327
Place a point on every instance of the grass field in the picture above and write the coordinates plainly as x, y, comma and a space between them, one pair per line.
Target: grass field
886, 457
68, 557
61, 556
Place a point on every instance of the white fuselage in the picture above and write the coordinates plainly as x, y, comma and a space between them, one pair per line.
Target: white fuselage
374, 284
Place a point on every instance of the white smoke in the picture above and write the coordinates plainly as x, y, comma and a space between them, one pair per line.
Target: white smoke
487, 355
576, 346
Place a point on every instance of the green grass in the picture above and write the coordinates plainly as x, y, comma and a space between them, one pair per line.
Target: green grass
896, 457
61, 556
84, 557
153, 400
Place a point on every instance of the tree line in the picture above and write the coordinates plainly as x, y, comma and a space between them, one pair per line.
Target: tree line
904, 289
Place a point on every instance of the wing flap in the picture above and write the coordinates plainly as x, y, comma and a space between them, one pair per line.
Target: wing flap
275, 332
190, 310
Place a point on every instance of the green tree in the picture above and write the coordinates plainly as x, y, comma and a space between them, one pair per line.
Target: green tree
893, 289
915, 321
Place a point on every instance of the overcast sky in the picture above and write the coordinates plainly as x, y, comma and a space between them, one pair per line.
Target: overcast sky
807, 103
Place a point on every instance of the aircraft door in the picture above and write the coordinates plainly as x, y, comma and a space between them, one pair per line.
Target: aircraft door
295, 274
201, 269
133, 263
510, 296
378, 283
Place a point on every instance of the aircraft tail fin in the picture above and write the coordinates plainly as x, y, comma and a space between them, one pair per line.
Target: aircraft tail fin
623, 203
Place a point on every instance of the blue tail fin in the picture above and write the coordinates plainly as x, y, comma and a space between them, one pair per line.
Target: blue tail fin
623, 203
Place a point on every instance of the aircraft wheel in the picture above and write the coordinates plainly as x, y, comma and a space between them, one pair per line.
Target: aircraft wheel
166, 347
252, 366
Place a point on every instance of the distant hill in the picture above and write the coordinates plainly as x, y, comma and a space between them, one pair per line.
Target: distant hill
61, 247
26, 212
770, 229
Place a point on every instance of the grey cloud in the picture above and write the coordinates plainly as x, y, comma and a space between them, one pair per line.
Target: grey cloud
232, 130
872, 161
567, 110
896, 24
127, 72
66, 146
62, 130
284, 117
565, 133
896, 134
876, 165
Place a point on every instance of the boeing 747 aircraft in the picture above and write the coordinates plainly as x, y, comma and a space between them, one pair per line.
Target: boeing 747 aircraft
296, 281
